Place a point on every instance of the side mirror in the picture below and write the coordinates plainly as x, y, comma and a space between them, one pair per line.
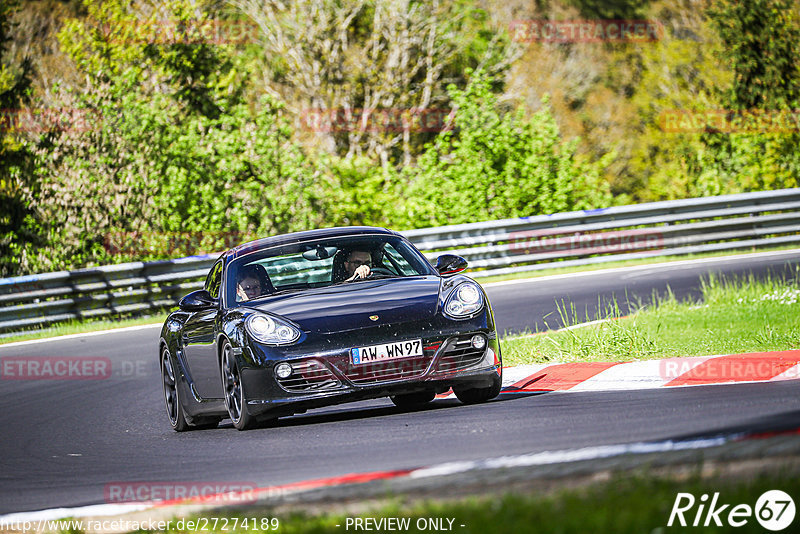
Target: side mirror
197, 300
450, 264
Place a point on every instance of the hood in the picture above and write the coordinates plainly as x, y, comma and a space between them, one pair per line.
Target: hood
349, 306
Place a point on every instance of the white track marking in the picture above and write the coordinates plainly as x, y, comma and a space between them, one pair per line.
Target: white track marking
94, 510
85, 334
633, 375
644, 374
565, 456
792, 373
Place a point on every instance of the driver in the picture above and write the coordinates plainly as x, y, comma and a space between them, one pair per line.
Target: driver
357, 264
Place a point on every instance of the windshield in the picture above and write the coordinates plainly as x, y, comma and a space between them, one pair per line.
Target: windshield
321, 263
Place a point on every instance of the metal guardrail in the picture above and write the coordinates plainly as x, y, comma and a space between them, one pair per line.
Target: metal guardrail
111, 290
671, 228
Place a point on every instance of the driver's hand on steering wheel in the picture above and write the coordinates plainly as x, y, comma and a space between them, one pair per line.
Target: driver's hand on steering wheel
361, 272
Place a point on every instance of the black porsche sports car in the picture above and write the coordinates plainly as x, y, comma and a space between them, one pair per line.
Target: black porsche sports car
310, 319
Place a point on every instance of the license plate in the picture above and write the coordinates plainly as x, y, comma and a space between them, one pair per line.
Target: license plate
386, 351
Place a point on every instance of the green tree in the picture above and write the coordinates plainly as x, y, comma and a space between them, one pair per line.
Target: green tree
761, 44
19, 221
739, 57
680, 72
357, 191
175, 146
355, 59
761, 41
497, 164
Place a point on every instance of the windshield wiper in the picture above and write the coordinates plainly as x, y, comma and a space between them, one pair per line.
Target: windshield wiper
278, 292
375, 276
282, 291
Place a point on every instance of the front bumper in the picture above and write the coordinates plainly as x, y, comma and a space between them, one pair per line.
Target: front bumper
327, 378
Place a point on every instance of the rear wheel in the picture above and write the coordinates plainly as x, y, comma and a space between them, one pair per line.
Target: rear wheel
235, 398
175, 413
177, 419
411, 400
478, 395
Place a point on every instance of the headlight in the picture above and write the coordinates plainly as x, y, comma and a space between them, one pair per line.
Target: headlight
465, 300
272, 330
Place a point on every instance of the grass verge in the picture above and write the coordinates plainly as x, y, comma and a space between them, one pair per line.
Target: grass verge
733, 316
623, 504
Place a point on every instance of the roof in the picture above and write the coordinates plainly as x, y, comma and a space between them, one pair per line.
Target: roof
308, 235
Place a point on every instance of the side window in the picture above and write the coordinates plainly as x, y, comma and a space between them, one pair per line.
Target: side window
399, 263
214, 280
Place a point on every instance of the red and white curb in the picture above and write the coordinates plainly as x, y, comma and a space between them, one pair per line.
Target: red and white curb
647, 374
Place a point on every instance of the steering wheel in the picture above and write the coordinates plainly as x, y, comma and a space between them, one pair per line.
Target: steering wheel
376, 270
380, 270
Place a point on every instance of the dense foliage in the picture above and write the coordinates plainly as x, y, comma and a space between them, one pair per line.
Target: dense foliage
131, 132
495, 165
18, 224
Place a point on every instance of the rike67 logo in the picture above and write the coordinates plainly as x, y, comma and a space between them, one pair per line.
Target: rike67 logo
774, 510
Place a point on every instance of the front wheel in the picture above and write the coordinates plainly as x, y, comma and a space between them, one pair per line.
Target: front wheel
235, 399
478, 395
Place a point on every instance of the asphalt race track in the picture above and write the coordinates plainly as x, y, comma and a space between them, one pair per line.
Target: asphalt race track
63, 442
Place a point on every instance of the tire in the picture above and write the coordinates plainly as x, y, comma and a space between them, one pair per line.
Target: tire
172, 399
478, 395
235, 398
412, 400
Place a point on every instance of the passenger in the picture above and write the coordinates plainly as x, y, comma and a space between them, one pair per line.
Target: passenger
253, 283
